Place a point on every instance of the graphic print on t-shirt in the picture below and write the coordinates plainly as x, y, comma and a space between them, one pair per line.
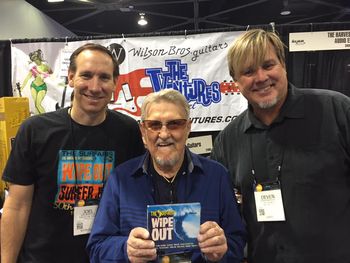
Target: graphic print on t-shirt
88, 174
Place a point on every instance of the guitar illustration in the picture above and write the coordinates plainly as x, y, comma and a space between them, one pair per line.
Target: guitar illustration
129, 91
229, 88
133, 86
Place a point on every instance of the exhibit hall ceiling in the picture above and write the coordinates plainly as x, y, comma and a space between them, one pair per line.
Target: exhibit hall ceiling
101, 17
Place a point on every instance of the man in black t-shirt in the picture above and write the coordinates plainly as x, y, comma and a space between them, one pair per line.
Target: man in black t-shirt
59, 164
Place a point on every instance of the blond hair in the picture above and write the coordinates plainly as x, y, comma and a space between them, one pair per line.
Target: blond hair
253, 45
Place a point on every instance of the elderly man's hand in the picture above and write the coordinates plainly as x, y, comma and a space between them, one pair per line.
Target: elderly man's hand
212, 241
139, 247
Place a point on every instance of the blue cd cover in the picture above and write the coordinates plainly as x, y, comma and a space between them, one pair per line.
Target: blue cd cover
174, 227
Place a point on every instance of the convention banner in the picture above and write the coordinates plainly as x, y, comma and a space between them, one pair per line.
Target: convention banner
321, 40
195, 65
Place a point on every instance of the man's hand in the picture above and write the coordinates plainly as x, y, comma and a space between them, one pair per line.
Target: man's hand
212, 241
139, 247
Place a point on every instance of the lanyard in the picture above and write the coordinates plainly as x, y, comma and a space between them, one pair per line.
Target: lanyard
75, 164
165, 189
253, 173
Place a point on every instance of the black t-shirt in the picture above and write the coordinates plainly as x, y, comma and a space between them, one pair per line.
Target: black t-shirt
43, 154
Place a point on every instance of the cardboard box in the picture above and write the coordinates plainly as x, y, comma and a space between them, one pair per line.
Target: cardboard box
13, 111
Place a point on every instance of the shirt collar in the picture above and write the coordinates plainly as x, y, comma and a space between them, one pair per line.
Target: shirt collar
293, 108
192, 162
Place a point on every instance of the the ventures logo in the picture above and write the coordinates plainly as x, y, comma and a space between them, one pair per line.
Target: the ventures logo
175, 77
132, 87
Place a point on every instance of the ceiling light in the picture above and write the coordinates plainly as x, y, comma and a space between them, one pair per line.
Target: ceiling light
286, 10
55, 1
142, 21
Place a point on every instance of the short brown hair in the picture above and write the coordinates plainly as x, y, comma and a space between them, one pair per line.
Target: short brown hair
97, 47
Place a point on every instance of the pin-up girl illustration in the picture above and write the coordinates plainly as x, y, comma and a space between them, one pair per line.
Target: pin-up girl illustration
38, 72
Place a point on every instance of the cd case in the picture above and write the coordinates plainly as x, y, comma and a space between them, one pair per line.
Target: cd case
174, 227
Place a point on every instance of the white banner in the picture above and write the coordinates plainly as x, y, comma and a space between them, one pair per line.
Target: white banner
322, 40
195, 65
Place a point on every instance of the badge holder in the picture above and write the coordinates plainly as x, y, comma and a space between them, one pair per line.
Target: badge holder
268, 202
84, 215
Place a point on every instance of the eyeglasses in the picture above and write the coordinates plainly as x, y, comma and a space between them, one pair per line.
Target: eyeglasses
172, 125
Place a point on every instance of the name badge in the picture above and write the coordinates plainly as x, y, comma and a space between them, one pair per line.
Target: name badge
83, 219
268, 202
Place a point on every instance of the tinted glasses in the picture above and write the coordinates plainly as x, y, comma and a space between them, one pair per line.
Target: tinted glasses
171, 125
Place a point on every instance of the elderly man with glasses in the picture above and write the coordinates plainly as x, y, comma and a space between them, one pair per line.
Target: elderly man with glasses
167, 174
